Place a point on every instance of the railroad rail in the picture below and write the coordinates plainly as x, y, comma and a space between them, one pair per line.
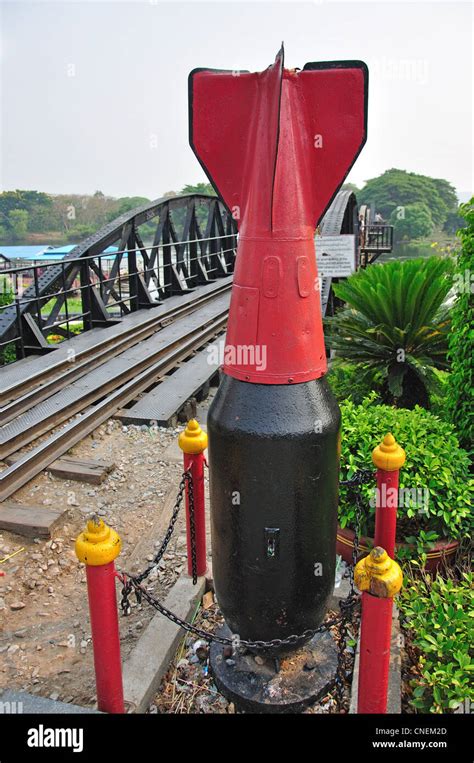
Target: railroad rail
104, 395
53, 397
20, 392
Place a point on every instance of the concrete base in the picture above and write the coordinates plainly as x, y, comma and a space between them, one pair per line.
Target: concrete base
151, 656
20, 702
257, 683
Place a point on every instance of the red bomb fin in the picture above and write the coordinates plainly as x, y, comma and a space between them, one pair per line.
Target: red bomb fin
233, 130
241, 125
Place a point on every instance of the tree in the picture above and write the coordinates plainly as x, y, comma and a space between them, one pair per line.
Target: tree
350, 187
205, 188
398, 188
126, 204
37, 205
395, 324
454, 222
80, 232
18, 223
412, 221
461, 335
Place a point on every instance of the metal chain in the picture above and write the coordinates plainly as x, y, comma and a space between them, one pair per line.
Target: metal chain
257, 645
129, 581
347, 605
134, 583
192, 526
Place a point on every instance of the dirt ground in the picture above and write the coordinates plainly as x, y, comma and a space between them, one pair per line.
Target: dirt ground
45, 640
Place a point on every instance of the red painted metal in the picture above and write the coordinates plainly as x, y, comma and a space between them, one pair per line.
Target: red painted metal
194, 462
375, 634
386, 510
277, 146
105, 637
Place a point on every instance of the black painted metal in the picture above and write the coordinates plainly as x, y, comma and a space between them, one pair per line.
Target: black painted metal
274, 462
194, 242
267, 687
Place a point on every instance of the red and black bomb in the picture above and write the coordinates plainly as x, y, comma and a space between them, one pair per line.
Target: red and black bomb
276, 145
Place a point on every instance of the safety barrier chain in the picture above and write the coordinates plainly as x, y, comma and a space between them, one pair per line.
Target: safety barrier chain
134, 583
347, 605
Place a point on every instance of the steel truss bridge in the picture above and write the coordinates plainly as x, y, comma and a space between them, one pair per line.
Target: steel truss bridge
192, 241
151, 319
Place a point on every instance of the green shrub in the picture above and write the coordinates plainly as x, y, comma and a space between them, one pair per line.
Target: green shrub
461, 336
434, 461
439, 401
350, 382
439, 614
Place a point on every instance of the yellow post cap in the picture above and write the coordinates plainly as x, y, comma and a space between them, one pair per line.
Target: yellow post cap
378, 574
388, 456
193, 440
98, 544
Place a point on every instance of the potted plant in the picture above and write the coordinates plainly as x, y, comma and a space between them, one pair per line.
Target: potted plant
435, 487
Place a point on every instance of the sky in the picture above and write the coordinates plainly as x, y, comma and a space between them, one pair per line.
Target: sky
94, 94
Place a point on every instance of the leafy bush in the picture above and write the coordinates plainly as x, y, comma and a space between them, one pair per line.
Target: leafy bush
395, 324
434, 461
349, 382
461, 337
439, 615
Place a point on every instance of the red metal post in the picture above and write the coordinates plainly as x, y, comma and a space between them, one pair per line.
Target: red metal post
374, 660
193, 442
97, 547
386, 510
105, 637
388, 457
379, 578
194, 462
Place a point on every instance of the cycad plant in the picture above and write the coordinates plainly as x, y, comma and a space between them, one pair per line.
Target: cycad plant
395, 326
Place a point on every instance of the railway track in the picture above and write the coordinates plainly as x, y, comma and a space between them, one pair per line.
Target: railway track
20, 392
109, 376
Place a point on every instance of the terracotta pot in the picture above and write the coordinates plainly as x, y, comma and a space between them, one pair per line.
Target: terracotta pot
442, 550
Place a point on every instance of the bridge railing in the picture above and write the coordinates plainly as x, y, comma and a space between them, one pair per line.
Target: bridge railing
377, 237
194, 242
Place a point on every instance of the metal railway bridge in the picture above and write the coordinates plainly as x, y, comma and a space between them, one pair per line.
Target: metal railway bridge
148, 316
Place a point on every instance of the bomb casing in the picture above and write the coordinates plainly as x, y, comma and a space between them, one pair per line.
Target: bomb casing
276, 145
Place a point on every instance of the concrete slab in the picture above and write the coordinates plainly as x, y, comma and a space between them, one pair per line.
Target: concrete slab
151, 656
20, 702
340, 592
